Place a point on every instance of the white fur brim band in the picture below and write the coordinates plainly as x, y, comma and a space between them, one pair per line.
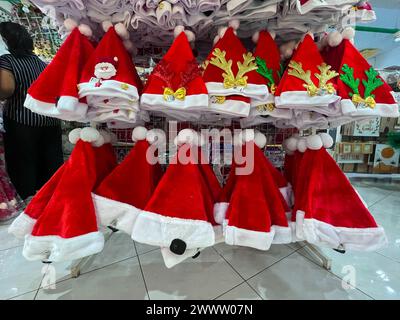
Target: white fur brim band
22, 226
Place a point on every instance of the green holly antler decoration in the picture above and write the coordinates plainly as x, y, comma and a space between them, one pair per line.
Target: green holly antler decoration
281, 70
348, 78
372, 83
264, 70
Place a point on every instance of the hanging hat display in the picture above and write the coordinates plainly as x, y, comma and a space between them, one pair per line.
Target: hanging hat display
307, 82
127, 189
176, 87
55, 93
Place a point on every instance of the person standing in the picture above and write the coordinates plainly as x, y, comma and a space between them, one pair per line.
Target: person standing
32, 142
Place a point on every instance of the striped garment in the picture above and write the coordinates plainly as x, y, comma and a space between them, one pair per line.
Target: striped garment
25, 70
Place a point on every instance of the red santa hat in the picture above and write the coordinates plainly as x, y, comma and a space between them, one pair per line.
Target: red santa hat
329, 212
231, 70
127, 189
307, 82
55, 93
119, 82
177, 214
363, 91
176, 82
67, 227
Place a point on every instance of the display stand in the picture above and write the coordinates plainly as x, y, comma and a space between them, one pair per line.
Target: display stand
317, 253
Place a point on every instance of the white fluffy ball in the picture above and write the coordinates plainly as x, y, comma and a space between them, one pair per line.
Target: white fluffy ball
348, 33
247, 135
255, 37
107, 24
177, 30
139, 133
291, 144
190, 35
74, 135
128, 44
156, 136
85, 30
314, 142
106, 136
260, 140
121, 30
187, 136
273, 34
301, 145
89, 134
234, 24
70, 24
334, 38
99, 142
327, 140
216, 39
3, 205
221, 31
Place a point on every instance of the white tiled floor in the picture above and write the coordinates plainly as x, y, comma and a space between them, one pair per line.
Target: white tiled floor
128, 270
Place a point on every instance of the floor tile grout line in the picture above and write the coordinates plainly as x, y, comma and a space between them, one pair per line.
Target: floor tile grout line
11, 248
18, 295
234, 287
376, 202
141, 270
383, 255
335, 275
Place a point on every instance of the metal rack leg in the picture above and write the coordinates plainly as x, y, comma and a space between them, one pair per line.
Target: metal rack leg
77, 265
316, 252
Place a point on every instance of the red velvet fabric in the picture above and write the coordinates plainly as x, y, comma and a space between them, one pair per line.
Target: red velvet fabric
256, 203
61, 76
308, 55
347, 53
106, 161
177, 58
70, 211
134, 180
111, 46
324, 193
234, 49
183, 192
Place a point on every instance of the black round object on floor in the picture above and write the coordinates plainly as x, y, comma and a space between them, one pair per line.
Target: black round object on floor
178, 246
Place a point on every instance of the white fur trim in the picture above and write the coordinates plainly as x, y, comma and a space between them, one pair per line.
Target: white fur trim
55, 248
326, 235
22, 225
68, 108
301, 99
314, 142
220, 209
380, 110
113, 213
89, 134
157, 102
251, 90
232, 108
260, 139
158, 230
108, 88
256, 239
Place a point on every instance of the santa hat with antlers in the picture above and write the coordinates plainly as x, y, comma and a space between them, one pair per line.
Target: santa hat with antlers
176, 87
231, 70
119, 198
67, 229
177, 214
307, 82
363, 91
55, 93
328, 211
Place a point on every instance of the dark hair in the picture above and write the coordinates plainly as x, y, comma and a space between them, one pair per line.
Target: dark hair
17, 38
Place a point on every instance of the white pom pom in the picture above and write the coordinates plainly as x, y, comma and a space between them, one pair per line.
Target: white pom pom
89, 134
247, 135
187, 136
156, 136
272, 34
256, 36
190, 35
237, 139
70, 24
106, 136
3, 205
234, 24
287, 53
291, 144
178, 30
85, 30
334, 38
348, 33
139, 133
221, 31
314, 142
99, 142
260, 140
216, 39
327, 140
128, 44
121, 30
309, 33
74, 135
301, 145
107, 24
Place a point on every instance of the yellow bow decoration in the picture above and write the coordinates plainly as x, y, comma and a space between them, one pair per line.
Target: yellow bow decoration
232, 83
171, 95
217, 99
368, 101
273, 88
266, 107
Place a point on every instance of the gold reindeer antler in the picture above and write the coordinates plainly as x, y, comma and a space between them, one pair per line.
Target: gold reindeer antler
219, 61
324, 76
247, 66
296, 70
